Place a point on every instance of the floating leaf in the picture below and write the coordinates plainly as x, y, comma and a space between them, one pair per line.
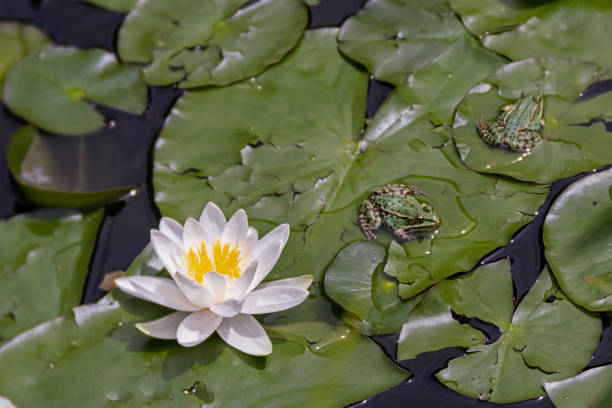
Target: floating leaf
577, 239
522, 29
395, 38
588, 389
206, 42
566, 149
356, 282
61, 173
17, 41
309, 359
44, 257
116, 5
486, 292
56, 89
548, 338
291, 150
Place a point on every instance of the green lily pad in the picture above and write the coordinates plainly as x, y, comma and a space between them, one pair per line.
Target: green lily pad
291, 149
588, 389
44, 258
101, 345
355, 280
17, 41
548, 338
394, 38
206, 42
115, 5
486, 292
566, 149
523, 29
45, 171
56, 89
577, 239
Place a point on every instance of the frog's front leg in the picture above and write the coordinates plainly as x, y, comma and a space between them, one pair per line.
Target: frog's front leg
404, 233
491, 133
369, 219
524, 140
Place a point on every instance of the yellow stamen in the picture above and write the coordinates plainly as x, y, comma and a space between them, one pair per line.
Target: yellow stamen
227, 260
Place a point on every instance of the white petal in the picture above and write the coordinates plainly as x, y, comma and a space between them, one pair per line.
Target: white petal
279, 233
246, 334
236, 228
197, 327
266, 260
165, 249
240, 287
302, 282
196, 293
229, 308
213, 220
172, 230
194, 234
157, 290
274, 299
164, 328
252, 236
217, 285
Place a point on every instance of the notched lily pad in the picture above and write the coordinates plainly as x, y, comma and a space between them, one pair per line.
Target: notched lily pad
206, 42
523, 29
17, 41
548, 338
591, 388
44, 259
395, 38
577, 239
115, 5
57, 89
62, 173
566, 148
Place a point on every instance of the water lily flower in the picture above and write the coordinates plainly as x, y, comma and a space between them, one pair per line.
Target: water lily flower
217, 268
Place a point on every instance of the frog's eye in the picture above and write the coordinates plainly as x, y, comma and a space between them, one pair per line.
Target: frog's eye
427, 207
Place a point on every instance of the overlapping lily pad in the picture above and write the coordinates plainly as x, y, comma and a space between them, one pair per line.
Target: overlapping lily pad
291, 150
523, 29
57, 89
577, 239
44, 258
118, 365
395, 38
567, 148
17, 41
206, 42
49, 175
116, 5
548, 338
588, 389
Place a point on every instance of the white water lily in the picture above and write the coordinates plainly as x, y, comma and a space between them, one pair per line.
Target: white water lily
217, 268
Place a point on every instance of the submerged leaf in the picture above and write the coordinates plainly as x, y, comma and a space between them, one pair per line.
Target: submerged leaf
522, 29
548, 338
44, 258
577, 239
56, 89
592, 388
206, 42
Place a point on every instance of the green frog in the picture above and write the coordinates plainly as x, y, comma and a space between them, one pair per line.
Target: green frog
394, 207
518, 127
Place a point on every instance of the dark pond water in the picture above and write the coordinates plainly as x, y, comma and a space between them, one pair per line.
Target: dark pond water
125, 230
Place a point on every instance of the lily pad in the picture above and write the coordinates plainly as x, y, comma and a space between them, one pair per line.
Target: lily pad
206, 42
547, 339
430, 326
115, 5
47, 173
523, 29
291, 150
588, 389
56, 89
566, 149
44, 258
355, 280
309, 359
395, 38
577, 240
17, 41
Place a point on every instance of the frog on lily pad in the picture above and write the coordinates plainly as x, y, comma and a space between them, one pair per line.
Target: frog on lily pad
519, 127
395, 207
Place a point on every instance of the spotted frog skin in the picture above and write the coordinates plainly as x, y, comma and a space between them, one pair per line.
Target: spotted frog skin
394, 207
518, 127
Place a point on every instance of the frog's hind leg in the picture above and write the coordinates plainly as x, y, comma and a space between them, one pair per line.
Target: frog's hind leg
403, 189
369, 219
489, 133
524, 141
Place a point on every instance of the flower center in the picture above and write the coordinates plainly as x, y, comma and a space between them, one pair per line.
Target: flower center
226, 259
